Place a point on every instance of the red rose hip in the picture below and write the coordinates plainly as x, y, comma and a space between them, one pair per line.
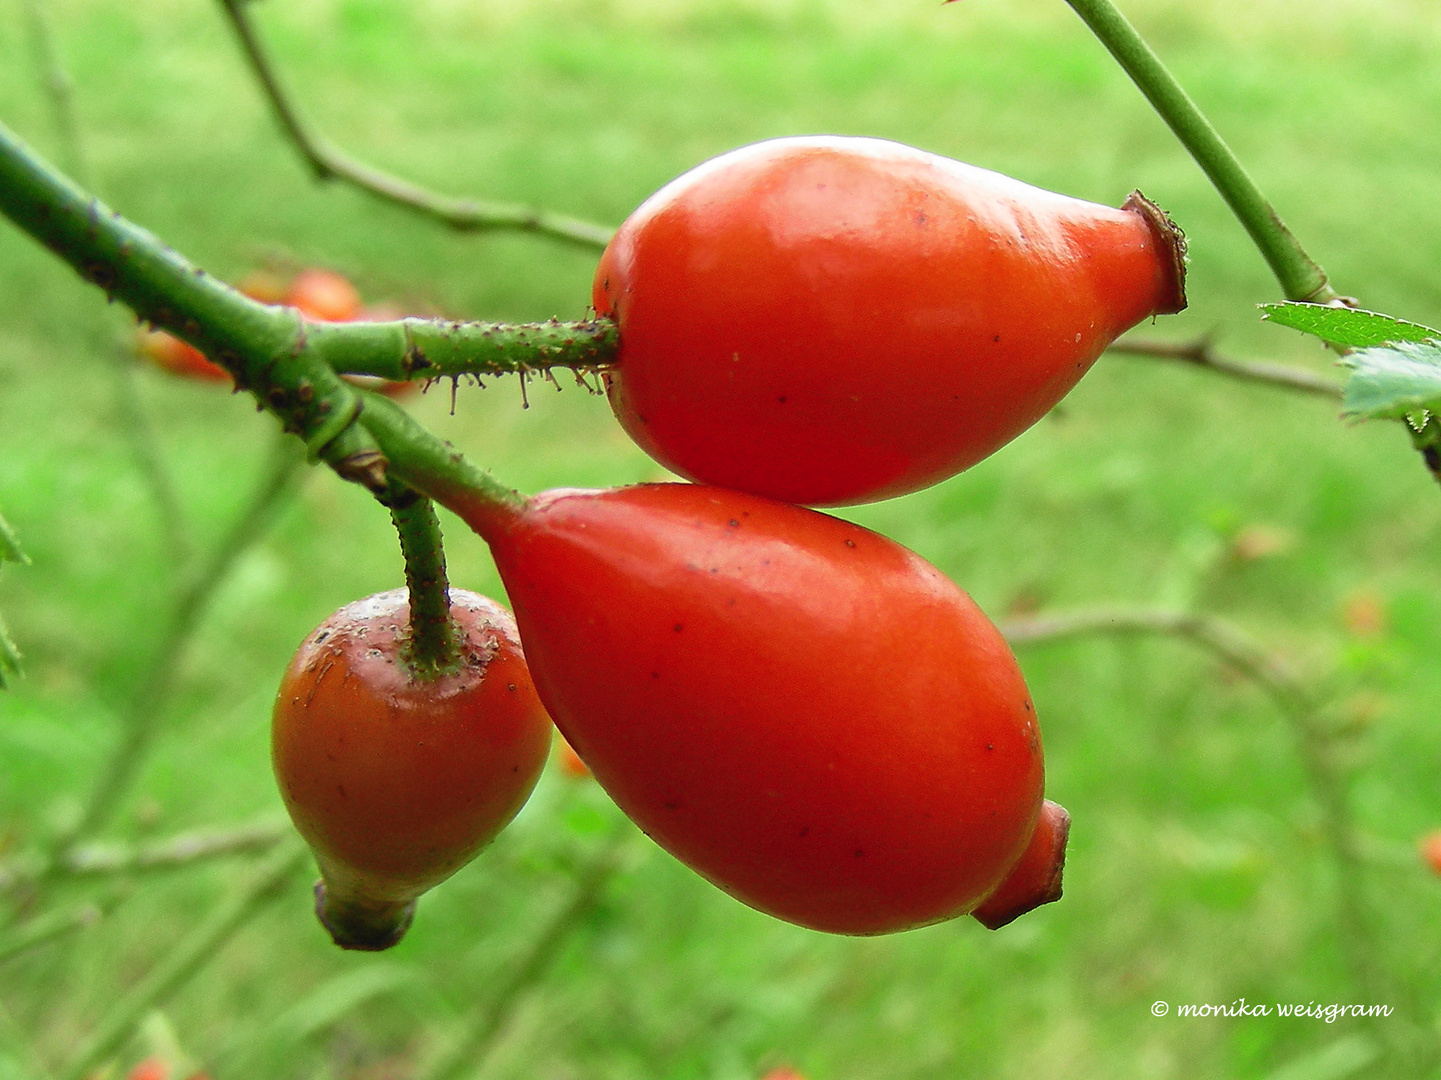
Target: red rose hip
831, 320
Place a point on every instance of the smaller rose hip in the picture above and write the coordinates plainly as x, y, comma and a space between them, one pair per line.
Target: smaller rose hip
396, 782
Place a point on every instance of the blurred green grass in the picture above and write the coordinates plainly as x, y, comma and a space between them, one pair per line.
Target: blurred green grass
1198, 868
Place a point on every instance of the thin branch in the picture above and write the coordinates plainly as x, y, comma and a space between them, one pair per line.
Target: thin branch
466, 1055
188, 957
1299, 705
48, 927
1201, 354
329, 163
183, 849
145, 709
59, 89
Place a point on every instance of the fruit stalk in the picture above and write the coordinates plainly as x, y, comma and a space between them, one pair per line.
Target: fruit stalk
1299, 276
432, 649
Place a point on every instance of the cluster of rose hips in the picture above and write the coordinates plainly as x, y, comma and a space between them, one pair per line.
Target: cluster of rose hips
808, 714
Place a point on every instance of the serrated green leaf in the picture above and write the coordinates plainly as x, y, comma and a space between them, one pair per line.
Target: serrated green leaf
1388, 382
1351, 327
10, 545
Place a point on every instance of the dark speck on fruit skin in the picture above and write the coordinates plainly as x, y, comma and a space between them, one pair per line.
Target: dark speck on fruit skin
679, 627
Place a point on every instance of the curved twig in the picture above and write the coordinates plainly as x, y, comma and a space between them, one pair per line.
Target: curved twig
329, 163
189, 955
1201, 354
466, 1054
1299, 705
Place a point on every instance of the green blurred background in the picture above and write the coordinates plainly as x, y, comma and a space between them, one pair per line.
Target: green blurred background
1202, 864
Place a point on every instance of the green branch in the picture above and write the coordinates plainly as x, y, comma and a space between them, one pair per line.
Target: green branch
439, 349
48, 927
174, 852
1300, 278
288, 363
329, 163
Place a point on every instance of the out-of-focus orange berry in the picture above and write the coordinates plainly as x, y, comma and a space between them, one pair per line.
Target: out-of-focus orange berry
1430, 848
151, 1068
324, 295
569, 761
1364, 613
264, 286
171, 354
1261, 542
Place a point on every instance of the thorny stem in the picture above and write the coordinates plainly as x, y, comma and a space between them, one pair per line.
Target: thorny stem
289, 364
466, 1055
145, 709
59, 90
329, 163
187, 958
1201, 354
1354, 922
432, 648
1300, 278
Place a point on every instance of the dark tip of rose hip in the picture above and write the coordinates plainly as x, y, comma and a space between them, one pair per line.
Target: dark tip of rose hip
1172, 243
1036, 879
362, 927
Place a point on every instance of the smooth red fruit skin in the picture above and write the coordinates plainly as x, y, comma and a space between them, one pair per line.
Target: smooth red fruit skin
397, 783
1036, 879
805, 712
830, 320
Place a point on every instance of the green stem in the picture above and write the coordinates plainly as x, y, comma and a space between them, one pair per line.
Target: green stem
329, 163
289, 364
1300, 278
433, 648
436, 349
189, 955
416, 457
